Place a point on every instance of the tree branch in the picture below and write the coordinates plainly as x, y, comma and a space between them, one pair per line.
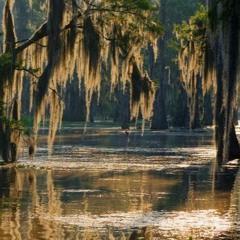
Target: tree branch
55, 91
39, 34
25, 40
30, 71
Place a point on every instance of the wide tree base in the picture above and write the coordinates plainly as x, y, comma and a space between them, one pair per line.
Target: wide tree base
233, 150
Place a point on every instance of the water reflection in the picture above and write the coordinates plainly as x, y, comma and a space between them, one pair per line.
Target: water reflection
48, 204
115, 192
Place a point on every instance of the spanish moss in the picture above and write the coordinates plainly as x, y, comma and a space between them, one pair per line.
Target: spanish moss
77, 38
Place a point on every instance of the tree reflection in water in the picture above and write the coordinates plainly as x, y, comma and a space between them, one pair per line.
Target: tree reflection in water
47, 204
110, 188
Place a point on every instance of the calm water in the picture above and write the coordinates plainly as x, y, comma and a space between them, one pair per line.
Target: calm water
106, 185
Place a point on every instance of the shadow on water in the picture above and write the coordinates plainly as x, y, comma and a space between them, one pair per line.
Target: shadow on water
108, 188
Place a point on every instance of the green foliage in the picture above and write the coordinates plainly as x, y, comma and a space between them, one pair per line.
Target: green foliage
131, 5
183, 31
192, 35
200, 17
27, 121
138, 15
174, 44
155, 27
195, 30
12, 124
177, 11
141, 4
5, 63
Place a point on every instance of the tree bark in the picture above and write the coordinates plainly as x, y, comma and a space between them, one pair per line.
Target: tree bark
225, 46
75, 105
159, 119
208, 109
123, 108
195, 106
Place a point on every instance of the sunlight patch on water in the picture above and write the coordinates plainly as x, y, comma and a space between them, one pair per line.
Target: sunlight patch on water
80, 190
68, 164
204, 223
93, 158
160, 184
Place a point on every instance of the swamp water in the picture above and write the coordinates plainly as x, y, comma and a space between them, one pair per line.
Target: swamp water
107, 185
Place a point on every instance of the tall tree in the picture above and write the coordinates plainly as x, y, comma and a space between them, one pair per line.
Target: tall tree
173, 97
224, 53
190, 59
159, 119
211, 50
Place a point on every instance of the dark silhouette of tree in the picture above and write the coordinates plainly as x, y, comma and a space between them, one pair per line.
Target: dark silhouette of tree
171, 101
190, 59
210, 50
223, 51
159, 119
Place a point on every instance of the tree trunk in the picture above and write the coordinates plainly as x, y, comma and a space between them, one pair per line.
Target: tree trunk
195, 106
10, 138
159, 119
5, 143
235, 115
7, 82
123, 108
225, 46
232, 150
208, 109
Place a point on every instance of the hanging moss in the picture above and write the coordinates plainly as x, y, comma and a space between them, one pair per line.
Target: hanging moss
5, 63
91, 46
142, 95
77, 39
136, 84
192, 57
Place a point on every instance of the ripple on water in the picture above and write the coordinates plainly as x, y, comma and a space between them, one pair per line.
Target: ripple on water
120, 159
111, 156
204, 223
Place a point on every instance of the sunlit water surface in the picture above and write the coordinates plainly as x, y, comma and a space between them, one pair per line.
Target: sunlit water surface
107, 185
